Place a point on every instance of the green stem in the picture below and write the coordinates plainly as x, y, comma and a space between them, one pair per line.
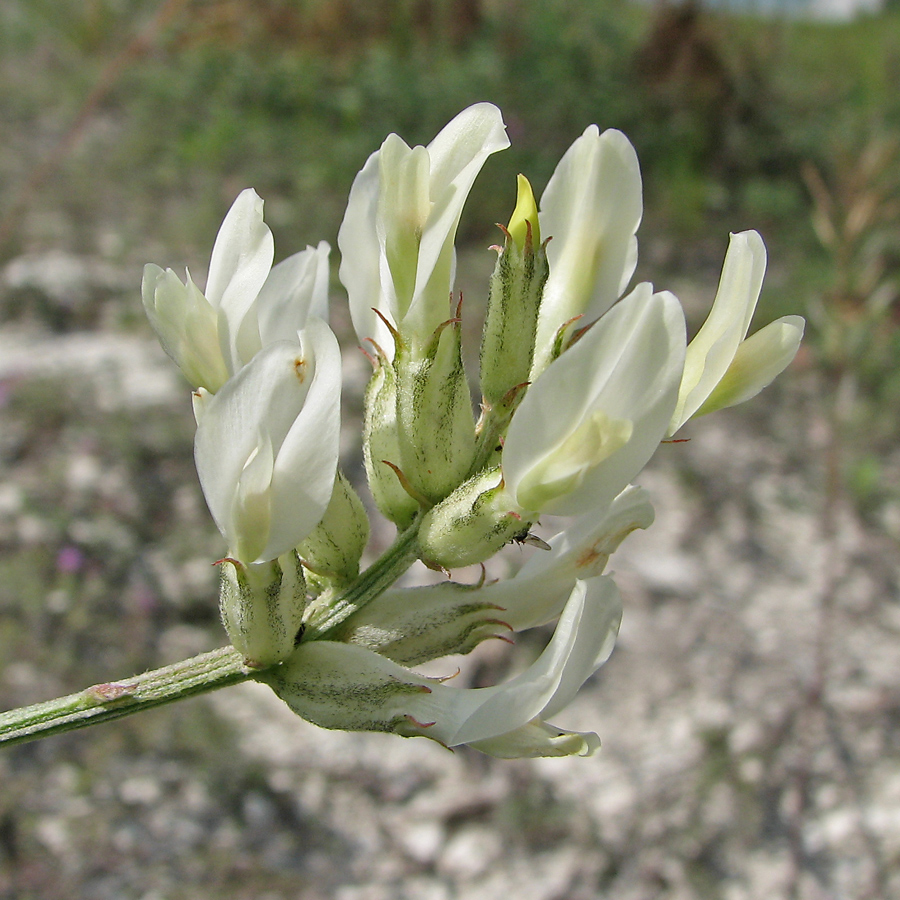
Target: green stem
200, 674
104, 702
370, 584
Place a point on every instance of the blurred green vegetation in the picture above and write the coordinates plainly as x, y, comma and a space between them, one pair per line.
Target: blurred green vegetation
129, 127
290, 96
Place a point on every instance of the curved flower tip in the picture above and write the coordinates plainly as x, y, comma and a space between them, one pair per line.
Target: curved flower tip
294, 290
241, 259
591, 208
596, 415
583, 640
266, 447
348, 687
186, 325
759, 360
248, 304
721, 368
537, 739
523, 215
396, 239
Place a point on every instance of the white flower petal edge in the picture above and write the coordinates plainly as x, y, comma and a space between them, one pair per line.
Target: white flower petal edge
186, 326
266, 447
381, 266
359, 271
591, 209
415, 624
759, 360
240, 263
596, 415
713, 348
248, 304
581, 643
343, 686
295, 289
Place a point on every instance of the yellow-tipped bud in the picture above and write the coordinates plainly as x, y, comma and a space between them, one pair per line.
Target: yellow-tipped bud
525, 211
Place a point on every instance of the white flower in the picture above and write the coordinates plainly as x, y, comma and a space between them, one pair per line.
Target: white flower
416, 624
344, 686
247, 305
591, 209
397, 236
721, 368
596, 415
537, 593
508, 720
267, 444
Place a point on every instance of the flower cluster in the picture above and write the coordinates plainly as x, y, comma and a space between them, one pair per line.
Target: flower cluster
580, 382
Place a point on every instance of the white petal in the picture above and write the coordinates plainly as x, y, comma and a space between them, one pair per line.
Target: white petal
360, 255
186, 326
459, 150
251, 508
240, 263
456, 155
710, 353
629, 367
292, 395
758, 361
164, 300
582, 641
404, 204
538, 739
591, 209
295, 289
306, 461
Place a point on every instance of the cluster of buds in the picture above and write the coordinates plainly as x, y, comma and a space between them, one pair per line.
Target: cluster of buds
580, 383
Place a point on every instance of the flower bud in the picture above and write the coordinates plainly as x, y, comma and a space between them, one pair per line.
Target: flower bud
414, 625
262, 607
436, 428
382, 446
472, 524
342, 686
507, 344
333, 549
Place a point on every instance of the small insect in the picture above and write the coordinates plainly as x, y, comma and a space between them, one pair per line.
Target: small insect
526, 537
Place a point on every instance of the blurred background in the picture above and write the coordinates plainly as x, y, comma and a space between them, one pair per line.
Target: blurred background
750, 714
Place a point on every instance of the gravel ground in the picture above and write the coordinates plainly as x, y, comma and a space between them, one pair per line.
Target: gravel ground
750, 714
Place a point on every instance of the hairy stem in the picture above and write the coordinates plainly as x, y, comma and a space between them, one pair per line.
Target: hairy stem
200, 674
373, 582
104, 702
